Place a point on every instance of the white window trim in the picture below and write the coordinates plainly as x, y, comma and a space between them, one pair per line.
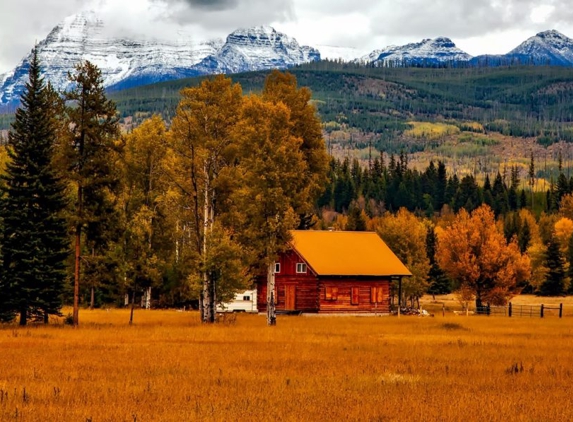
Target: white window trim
277, 267
303, 268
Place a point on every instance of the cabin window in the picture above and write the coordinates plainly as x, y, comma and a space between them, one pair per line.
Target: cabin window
301, 268
354, 296
246, 297
277, 267
331, 293
376, 295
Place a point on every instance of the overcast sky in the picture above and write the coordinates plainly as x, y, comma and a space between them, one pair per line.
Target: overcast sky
476, 26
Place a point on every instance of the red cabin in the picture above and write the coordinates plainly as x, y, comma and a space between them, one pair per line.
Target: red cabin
334, 272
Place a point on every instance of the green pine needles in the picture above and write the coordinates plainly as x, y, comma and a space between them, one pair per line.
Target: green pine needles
34, 232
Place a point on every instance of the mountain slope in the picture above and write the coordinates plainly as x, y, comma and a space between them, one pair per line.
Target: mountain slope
257, 48
549, 47
430, 51
127, 63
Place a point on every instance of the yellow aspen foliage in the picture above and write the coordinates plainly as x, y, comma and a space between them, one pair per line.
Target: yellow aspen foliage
473, 251
405, 234
282, 88
563, 232
537, 255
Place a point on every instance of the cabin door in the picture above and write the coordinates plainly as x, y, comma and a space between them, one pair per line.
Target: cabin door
290, 298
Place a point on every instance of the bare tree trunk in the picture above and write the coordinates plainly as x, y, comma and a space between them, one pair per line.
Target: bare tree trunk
92, 298
271, 300
148, 298
132, 306
76, 309
23, 315
208, 299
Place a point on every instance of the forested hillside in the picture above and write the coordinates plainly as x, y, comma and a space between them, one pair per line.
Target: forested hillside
518, 101
475, 120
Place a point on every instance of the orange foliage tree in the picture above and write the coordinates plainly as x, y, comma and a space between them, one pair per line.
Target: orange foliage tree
474, 252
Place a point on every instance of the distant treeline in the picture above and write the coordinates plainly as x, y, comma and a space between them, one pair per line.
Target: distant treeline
390, 186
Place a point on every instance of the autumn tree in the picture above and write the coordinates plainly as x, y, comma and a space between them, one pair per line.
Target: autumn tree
474, 252
34, 233
281, 87
270, 188
88, 153
143, 206
201, 146
405, 234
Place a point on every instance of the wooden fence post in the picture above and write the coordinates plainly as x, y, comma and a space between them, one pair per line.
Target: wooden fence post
509, 310
443, 310
560, 310
541, 310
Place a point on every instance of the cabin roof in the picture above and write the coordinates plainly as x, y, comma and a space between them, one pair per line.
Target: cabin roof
347, 253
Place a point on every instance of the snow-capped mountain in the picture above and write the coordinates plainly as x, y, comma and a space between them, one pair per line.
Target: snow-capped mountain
430, 51
257, 48
549, 47
125, 63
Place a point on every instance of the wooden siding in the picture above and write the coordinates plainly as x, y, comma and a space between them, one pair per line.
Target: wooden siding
305, 289
369, 296
288, 263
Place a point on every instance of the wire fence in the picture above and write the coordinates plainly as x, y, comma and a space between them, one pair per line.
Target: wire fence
522, 311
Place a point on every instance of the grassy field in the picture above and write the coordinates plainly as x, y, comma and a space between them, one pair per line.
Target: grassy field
167, 367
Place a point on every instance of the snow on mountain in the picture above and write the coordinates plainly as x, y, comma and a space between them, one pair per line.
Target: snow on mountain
125, 63
546, 47
257, 48
437, 50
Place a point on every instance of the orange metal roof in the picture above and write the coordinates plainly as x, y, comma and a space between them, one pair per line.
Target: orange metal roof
347, 253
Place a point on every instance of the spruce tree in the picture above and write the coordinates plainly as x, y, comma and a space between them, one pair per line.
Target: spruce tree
34, 234
554, 283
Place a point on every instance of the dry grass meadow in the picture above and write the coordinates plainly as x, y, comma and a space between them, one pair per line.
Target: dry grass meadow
167, 367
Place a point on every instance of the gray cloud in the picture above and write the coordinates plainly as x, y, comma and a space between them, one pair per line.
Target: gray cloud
500, 23
365, 24
230, 14
209, 4
26, 22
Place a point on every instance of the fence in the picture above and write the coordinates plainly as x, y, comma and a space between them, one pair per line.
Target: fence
513, 310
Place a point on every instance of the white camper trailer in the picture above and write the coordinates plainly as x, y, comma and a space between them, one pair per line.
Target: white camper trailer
243, 302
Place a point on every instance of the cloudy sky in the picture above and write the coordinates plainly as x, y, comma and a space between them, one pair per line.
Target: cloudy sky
476, 26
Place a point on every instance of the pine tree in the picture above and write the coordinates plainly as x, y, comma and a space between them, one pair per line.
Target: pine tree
356, 221
439, 282
554, 283
89, 156
34, 233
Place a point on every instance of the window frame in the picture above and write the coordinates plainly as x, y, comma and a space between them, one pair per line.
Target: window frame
277, 267
303, 268
331, 293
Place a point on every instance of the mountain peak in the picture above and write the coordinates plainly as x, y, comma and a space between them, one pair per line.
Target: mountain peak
257, 48
548, 47
128, 62
430, 50
552, 33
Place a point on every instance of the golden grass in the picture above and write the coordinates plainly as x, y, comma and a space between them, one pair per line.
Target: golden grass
167, 367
